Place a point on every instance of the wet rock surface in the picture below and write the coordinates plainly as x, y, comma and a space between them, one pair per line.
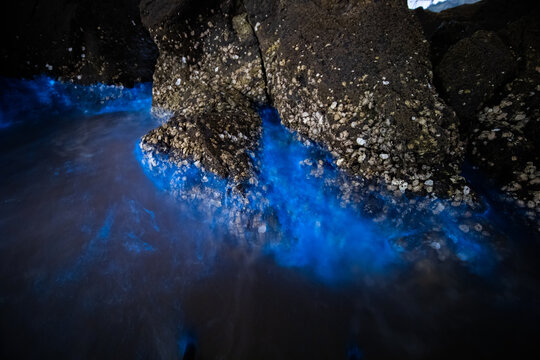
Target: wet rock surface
472, 71
223, 143
506, 143
356, 77
487, 67
353, 77
209, 72
84, 41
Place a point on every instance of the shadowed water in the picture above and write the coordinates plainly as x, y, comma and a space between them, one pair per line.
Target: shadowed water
109, 252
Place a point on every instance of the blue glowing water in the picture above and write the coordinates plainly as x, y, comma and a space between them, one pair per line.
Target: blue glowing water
107, 250
297, 213
44, 95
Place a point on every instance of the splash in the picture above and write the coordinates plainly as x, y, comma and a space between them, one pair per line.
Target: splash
301, 210
46, 96
307, 214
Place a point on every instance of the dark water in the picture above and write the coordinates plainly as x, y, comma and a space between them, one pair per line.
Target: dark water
107, 253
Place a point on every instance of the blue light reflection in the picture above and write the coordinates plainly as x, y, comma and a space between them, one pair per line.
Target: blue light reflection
45, 96
297, 213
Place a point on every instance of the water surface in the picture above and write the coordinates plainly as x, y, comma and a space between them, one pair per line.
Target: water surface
106, 255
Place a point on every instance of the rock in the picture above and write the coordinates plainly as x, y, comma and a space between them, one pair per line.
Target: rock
354, 77
445, 29
510, 155
209, 66
210, 47
522, 36
223, 143
490, 78
359, 69
86, 41
473, 70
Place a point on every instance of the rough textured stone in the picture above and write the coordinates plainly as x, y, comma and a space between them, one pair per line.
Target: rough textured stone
503, 133
217, 141
209, 65
209, 58
523, 37
472, 70
355, 76
506, 143
86, 41
445, 29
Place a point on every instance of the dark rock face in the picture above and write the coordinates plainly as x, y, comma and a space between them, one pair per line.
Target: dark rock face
472, 70
506, 18
86, 41
355, 76
209, 57
506, 142
218, 141
209, 67
487, 65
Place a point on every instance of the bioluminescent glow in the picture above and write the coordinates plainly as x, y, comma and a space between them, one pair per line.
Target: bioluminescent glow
44, 95
108, 249
296, 212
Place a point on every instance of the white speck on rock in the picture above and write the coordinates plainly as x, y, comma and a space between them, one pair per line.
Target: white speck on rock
319, 117
262, 229
178, 81
361, 141
384, 156
403, 186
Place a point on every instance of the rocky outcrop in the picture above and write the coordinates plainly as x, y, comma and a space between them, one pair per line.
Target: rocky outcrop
355, 76
210, 74
506, 142
445, 29
487, 65
472, 71
218, 141
86, 41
